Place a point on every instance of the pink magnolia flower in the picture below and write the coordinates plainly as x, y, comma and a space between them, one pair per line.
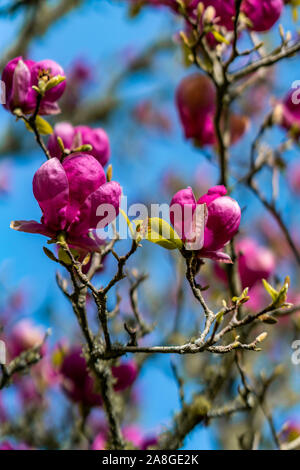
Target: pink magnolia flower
255, 262
24, 335
74, 137
215, 217
75, 200
6, 445
196, 104
289, 113
99, 442
20, 75
263, 14
131, 434
79, 385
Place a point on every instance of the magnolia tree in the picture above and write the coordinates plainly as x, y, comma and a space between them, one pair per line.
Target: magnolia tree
227, 316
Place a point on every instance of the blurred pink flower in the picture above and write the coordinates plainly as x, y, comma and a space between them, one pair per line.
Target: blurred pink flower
255, 262
263, 14
73, 137
196, 105
132, 434
24, 335
289, 113
6, 445
79, 385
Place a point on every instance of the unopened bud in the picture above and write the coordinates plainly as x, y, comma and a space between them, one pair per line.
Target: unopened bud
209, 15
277, 114
109, 173
261, 337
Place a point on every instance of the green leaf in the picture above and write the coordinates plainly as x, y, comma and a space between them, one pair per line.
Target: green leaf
219, 37
243, 298
158, 231
271, 291
49, 254
278, 297
54, 81
43, 126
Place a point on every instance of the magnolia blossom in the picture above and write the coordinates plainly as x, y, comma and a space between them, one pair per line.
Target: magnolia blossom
19, 76
73, 137
24, 335
132, 434
213, 221
75, 200
196, 104
287, 113
263, 14
255, 262
80, 386
6, 445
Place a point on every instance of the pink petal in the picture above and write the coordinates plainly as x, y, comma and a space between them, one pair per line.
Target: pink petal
65, 131
48, 108
98, 139
51, 189
195, 239
212, 194
224, 217
98, 210
21, 84
31, 226
85, 175
182, 208
54, 69
219, 256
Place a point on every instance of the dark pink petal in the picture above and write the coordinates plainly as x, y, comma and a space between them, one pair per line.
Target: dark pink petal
51, 190
66, 132
98, 139
182, 208
212, 194
263, 14
224, 217
255, 262
125, 374
98, 210
219, 256
8, 79
21, 87
51, 69
85, 175
31, 226
195, 239
48, 108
